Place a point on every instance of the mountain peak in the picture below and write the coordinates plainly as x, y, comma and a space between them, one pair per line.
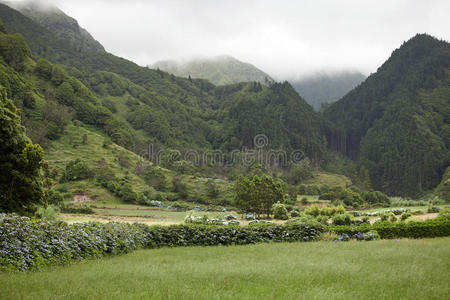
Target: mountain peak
61, 25
220, 70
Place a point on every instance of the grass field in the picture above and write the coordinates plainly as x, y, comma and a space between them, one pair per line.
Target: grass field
144, 215
388, 269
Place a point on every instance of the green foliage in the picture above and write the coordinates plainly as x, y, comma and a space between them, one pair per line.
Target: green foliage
44, 69
376, 197
315, 210
342, 219
14, 50
48, 213
347, 196
279, 211
76, 170
155, 177
387, 230
394, 121
58, 242
21, 184
55, 197
257, 194
179, 186
443, 189
212, 190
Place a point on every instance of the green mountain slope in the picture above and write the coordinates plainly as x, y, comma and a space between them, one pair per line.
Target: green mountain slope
326, 88
174, 111
219, 70
61, 25
397, 122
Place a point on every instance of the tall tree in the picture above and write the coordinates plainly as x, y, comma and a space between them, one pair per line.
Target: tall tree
21, 184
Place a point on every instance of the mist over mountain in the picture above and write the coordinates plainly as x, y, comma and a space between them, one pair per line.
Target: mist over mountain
219, 70
60, 24
326, 88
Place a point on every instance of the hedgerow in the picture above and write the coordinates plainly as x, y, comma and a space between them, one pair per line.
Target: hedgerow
387, 230
31, 243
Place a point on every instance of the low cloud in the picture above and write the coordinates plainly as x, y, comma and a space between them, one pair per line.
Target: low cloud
284, 38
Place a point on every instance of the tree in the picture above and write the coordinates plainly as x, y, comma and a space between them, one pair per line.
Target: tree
21, 185
258, 194
212, 190
179, 186
14, 50
44, 69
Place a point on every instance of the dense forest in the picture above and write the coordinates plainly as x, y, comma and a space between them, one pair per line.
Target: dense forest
395, 125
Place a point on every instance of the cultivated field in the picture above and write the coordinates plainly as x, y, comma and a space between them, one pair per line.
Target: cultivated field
386, 269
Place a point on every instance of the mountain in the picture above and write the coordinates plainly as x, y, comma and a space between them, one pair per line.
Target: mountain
60, 24
397, 122
326, 88
219, 70
151, 105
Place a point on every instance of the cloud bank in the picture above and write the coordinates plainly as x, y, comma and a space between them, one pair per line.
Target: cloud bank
284, 38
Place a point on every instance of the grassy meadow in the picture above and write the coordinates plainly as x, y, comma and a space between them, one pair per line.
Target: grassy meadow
387, 269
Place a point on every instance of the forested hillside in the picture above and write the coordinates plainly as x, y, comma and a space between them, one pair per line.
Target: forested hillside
219, 70
60, 24
326, 88
174, 111
397, 122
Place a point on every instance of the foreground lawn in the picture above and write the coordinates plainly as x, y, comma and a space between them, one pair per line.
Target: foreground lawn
405, 269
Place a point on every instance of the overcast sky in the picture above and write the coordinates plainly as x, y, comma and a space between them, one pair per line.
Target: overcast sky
284, 38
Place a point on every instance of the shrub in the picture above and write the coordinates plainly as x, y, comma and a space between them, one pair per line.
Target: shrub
155, 177
48, 213
279, 211
359, 236
322, 219
342, 219
294, 213
433, 209
77, 210
76, 170
27, 243
179, 186
55, 198
405, 216
212, 190
387, 230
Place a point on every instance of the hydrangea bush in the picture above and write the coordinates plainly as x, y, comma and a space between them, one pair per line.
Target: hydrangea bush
31, 243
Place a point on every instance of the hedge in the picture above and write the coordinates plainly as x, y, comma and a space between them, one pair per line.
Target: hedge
387, 230
31, 243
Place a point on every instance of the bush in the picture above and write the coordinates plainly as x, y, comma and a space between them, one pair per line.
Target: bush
55, 198
359, 236
294, 213
77, 210
437, 227
28, 243
179, 186
405, 216
342, 219
48, 213
433, 209
76, 170
279, 211
322, 219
